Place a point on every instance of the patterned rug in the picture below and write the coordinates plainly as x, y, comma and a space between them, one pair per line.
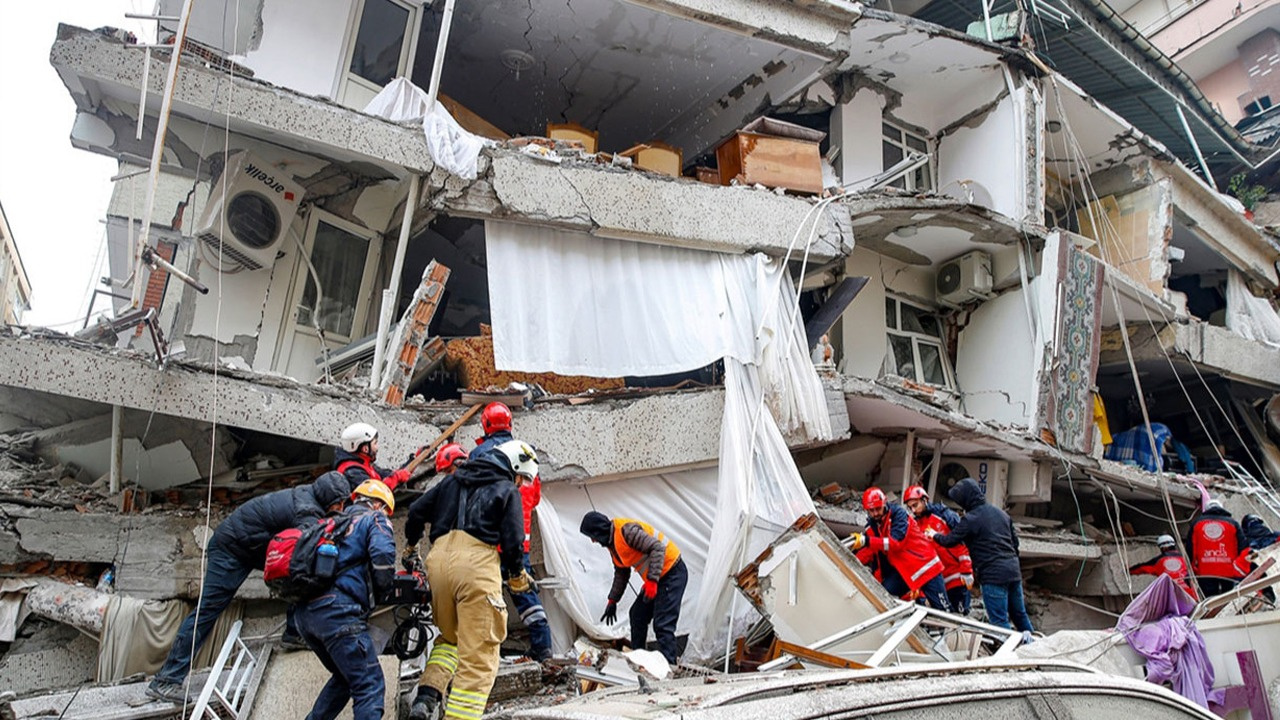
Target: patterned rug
1067, 406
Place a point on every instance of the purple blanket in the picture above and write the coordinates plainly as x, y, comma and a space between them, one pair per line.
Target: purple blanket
1158, 626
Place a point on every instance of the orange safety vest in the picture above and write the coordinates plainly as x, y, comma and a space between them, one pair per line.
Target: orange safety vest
626, 556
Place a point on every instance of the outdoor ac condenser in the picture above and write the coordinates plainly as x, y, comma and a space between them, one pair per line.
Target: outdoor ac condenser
249, 211
964, 279
992, 476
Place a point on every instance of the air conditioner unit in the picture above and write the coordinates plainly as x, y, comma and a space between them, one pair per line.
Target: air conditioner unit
964, 279
249, 211
992, 476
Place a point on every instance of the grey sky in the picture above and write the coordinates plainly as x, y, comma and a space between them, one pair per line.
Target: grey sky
54, 195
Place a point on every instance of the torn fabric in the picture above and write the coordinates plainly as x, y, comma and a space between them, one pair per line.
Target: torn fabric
592, 306
1248, 316
13, 610
1158, 626
452, 147
137, 634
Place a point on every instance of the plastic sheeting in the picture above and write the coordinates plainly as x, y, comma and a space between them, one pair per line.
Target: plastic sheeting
682, 506
455, 149
1248, 316
590, 306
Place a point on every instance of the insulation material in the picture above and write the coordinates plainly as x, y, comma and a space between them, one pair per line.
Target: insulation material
1250, 317
682, 506
471, 359
640, 309
451, 146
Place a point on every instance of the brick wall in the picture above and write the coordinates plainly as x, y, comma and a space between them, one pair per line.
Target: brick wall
157, 280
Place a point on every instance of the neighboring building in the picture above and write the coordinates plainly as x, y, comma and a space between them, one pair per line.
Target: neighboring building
15, 288
1045, 242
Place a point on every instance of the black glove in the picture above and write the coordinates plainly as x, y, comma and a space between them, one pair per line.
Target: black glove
410, 560
610, 615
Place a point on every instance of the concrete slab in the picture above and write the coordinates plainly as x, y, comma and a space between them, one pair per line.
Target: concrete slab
293, 680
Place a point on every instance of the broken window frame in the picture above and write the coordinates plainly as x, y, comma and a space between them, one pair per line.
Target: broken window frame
353, 89
907, 142
302, 278
893, 329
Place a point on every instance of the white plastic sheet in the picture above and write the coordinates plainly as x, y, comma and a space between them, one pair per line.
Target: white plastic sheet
1248, 316
455, 149
585, 305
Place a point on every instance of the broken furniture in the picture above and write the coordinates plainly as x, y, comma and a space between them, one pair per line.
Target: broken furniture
656, 156
828, 610
573, 132
470, 121
775, 154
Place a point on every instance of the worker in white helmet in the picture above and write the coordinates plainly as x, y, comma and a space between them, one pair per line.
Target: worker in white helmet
355, 457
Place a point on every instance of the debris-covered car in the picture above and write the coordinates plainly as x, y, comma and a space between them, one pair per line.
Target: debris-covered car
983, 689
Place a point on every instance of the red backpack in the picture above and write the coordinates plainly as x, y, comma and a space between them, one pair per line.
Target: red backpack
303, 562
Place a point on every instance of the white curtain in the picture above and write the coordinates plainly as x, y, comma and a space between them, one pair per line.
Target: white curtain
572, 303
1248, 316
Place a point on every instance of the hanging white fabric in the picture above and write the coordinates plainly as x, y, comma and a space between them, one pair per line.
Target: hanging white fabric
455, 149
572, 303
1249, 316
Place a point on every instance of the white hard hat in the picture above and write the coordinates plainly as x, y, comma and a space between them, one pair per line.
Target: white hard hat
357, 434
524, 461
1165, 541
1213, 504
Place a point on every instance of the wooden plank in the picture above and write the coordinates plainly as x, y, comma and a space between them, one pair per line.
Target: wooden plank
831, 310
817, 656
470, 121
771, 161
440, 439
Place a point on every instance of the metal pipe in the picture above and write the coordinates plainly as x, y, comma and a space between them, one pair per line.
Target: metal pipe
442, 43
393, 284
157, 150
142, 94
1204, 167
909, 459
117, 447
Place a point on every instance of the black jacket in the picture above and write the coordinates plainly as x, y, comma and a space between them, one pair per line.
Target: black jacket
1257, 533
989, 533
246, 532
481, 499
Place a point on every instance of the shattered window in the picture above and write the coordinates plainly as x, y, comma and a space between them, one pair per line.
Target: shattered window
339, 259
379, 41
915, 344
897, 144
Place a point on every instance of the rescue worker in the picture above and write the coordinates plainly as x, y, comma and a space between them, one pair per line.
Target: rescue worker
471, 512
495, 422
957, 567
993, 546
1215, 542
529, 604
1169, 562
355, 457
635, 544
1256, 532
910, 568
448, 457
238, 546
335, 624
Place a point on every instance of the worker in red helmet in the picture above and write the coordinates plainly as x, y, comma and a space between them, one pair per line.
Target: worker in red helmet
495, 421
911, 568
957, 567
447, 458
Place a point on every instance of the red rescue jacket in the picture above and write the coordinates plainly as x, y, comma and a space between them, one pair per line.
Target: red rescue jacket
955, 559
1171, 563
530, 496
1215, 547
900, 540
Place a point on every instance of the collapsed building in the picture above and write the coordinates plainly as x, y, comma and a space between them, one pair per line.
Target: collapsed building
735, 255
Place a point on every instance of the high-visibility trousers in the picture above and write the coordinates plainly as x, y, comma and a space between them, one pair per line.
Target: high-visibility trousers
466, 600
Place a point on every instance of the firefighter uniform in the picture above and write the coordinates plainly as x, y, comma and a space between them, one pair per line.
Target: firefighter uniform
1169, 562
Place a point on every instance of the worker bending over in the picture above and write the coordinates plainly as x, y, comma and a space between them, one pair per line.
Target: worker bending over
957, 567
913, 569
355, 457
471, 512
335, 624
635, 544
1169, 562
1216, 542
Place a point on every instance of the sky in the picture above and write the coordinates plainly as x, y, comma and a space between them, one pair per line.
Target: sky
54, 196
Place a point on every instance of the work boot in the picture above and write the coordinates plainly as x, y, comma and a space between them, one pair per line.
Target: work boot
166, 691
292, 643
426, 706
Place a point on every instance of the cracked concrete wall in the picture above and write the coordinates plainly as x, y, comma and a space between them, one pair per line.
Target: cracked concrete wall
863, 322
814, 27
1133, 230
965, 159
1211, 346
646, 208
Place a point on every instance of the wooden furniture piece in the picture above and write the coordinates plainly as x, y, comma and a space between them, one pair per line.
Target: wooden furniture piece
573, 132
470, 121
656, 156
773, 153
